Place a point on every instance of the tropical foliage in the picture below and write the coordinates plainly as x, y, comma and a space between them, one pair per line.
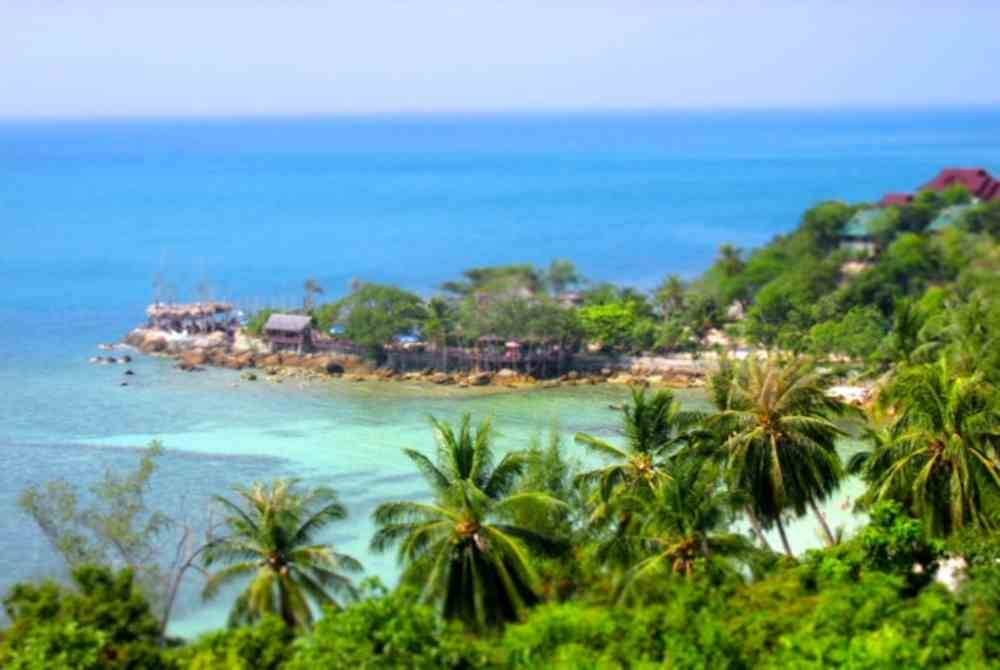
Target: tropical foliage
939, 453
272, 541
628, 551
780, 442
465, 548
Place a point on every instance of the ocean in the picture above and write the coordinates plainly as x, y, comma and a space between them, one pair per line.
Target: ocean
91, 213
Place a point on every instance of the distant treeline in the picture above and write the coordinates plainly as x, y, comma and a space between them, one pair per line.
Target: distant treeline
809, 291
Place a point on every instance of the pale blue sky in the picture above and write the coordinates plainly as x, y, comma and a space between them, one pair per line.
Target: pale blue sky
85, 58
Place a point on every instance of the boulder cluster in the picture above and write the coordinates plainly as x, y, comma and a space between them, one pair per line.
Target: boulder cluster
194, 353
251, 355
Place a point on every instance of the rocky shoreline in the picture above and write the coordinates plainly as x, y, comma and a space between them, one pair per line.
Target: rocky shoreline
253, 357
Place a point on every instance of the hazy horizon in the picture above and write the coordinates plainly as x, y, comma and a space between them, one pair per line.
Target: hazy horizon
486, 114
251, 59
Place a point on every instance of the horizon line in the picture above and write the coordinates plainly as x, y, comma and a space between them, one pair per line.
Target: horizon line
541, 112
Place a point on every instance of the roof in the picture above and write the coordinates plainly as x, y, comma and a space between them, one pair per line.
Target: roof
895, 199
947, 217
977, 181
861, 224
187, 310
290, 323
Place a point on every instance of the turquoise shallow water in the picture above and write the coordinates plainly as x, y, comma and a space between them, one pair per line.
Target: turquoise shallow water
90, 212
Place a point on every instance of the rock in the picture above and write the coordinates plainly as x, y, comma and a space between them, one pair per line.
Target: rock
128, 373
463, 385
234, 362
333, 368
479, 379
605, 372
123, 384
136, 337
505, 374
153, 343
622, 378
216, 340
125, 359
551, 384
293, 360
249, 376
572, 374
440, 378
269, 361
194, 357
242, 343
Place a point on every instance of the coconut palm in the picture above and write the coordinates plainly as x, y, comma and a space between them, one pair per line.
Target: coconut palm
939, 454
440, 324
710, 444
730, 259
465, 547
683, 528
905, 341
654, 428
670, 295
272, 541
780, 448
312, 288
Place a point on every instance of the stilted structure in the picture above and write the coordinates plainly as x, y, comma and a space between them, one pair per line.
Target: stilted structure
192, 318
289, 332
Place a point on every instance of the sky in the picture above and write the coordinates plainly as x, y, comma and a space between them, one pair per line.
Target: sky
93, 59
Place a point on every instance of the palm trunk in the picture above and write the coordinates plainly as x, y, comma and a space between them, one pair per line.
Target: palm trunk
784, 538
758, 531
830, 541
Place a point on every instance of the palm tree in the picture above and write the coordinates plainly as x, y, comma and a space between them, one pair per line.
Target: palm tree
730, 259
312, 289
654, 427
271, 540
465, 546
439, 325
967, 336
683, 528
939, 454
781, 443
670, 295
906, 337
711, 443
561, 275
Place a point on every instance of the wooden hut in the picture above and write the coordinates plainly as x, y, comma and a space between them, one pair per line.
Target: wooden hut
289, 332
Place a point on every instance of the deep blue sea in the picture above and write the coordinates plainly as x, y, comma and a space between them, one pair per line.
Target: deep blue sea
91, 212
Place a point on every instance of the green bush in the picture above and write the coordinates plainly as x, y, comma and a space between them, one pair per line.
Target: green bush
101, 622
264, 646
387, 631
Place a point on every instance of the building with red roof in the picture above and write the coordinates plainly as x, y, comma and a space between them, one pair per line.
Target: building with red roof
977, 181
895, 199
